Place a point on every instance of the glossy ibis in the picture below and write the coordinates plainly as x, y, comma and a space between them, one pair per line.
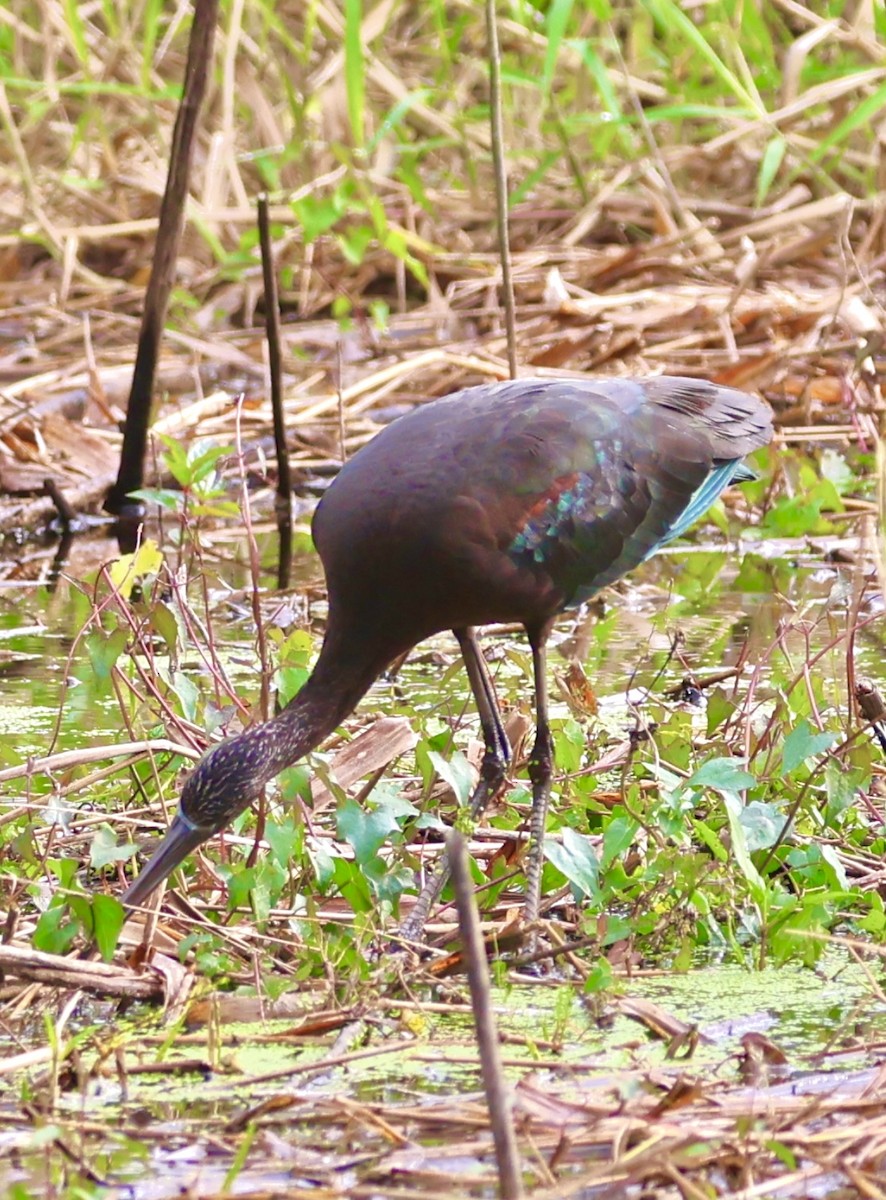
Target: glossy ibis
507, 502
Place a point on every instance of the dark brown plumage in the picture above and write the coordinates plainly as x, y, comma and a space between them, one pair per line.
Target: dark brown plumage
508, 502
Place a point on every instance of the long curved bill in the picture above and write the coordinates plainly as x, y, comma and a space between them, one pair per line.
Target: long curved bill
181, 838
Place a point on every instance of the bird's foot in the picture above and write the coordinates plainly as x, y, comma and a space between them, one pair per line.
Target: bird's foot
539, 951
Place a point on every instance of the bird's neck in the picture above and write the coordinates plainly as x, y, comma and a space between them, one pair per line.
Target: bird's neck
345, 669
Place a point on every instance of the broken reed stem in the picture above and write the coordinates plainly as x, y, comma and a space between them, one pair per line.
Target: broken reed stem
496, 129
498, 1099
272, 333
130, 476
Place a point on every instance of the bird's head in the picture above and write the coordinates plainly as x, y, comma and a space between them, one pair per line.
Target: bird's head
225, 782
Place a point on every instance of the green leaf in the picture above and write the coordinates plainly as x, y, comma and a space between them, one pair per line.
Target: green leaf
76, 28
322, 862
762, 824
599, 978
783, 1153
289, 681
802, 743
354, 69
397, 114
318, 214
840, 786
81, 906
456, 771
166, 623
269, 879
773, 156
162, 497
671, 17
874, 922
355, 242
556, 20
65, 871
712, 839
298, 647
108, 916
353, 884
187, 693
720, 708
576, 858
754, 575
835, 468
389, 797
54, 932
104, 649
570, 745
395, 242
286, 839
798, 515
531, 180
617, 837
202, 460
104, 850
740, 851
617, 928
175, 456
128, 568
860, 116
296, 782
240, 885
365, 830
831, 857
723, 775
598, 71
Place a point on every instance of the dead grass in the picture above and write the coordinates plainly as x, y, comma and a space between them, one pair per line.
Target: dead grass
664, 262
760, 1121
789, 320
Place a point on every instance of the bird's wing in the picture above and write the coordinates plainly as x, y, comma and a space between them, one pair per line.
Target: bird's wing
624, 480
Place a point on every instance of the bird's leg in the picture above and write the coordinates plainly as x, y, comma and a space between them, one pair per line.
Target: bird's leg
492, 772
541, 763
497, 751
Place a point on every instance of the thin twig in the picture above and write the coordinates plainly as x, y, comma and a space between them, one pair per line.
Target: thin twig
501, 183
272, 333
497, 1097
169, 230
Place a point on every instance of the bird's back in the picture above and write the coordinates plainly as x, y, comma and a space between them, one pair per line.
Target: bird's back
515, 500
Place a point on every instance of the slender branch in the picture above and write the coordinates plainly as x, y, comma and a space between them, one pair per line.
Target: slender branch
498, 1099
272, 331
169, 229
501, 183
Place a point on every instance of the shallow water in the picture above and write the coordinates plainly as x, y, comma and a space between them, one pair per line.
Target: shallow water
167, 1133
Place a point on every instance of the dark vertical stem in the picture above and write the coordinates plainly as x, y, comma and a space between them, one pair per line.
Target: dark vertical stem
501, 183
284, 537
272, 331
498, 1099
130, 477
